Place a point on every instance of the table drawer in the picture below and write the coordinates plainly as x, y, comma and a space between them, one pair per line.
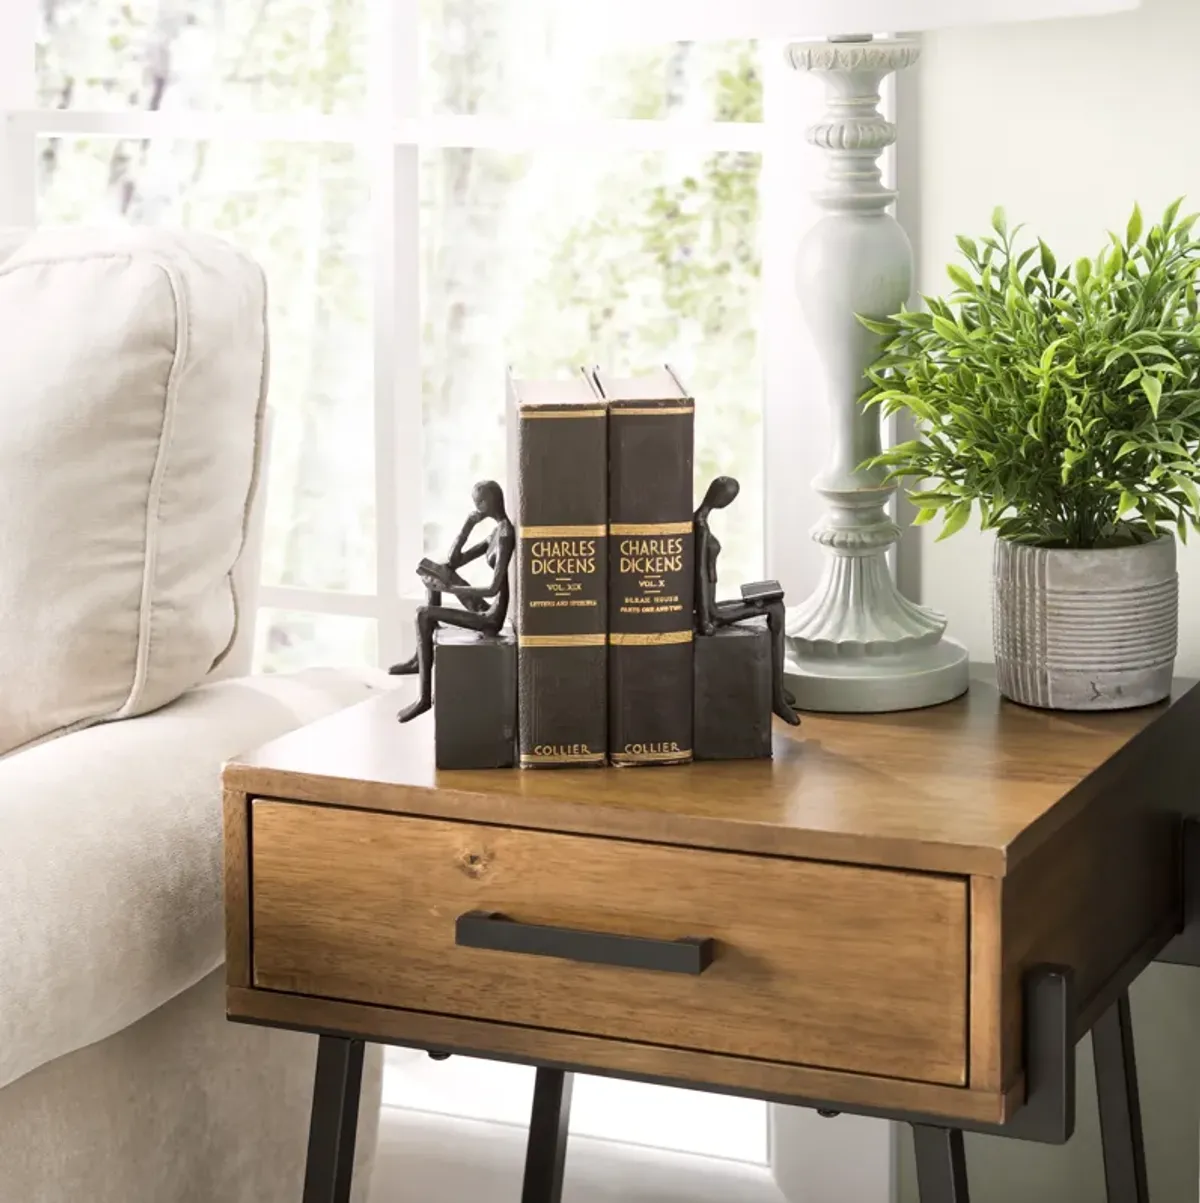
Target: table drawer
849, 968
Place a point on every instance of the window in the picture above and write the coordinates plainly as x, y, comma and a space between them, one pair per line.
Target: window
437, 189
661, 1117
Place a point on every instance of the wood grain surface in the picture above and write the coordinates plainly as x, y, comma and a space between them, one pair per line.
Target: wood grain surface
987, 953
971, 787
863, 970
1106, 891
1014, 837
621, 1058
237, 887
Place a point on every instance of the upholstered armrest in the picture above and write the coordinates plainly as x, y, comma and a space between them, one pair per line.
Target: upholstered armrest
110, 858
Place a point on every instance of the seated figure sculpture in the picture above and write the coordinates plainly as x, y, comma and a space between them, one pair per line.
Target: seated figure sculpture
483, 608
761, 600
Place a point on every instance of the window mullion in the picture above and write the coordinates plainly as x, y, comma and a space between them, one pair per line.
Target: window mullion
192, 125
396, 216
18, 163
517, 134
901, 170
796, 422
318, 601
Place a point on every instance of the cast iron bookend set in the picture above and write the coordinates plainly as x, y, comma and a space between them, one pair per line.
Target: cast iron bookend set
466, 658
484, 609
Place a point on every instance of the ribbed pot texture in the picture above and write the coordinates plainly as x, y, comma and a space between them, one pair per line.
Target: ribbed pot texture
1085, 630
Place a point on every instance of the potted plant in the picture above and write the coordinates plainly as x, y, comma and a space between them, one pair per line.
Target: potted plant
1062, 404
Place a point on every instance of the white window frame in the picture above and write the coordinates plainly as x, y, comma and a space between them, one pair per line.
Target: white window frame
391, 131
816, 1160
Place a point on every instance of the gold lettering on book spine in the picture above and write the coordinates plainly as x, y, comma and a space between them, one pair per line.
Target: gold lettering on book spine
561, 640
621, 411
652, 757
563, 758
650, 528
563, 413
563, 532
624, 639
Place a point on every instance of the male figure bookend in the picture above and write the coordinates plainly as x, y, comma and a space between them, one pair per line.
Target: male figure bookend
484, 608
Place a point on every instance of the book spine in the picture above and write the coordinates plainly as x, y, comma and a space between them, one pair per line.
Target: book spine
651, 583
562, 575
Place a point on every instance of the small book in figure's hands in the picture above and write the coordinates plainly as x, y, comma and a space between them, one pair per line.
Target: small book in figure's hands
762, 591
439, 574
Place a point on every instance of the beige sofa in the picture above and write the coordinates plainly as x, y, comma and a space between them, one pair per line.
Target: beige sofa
132, 401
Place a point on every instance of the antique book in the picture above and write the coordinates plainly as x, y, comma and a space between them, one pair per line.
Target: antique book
650, 567
562, 571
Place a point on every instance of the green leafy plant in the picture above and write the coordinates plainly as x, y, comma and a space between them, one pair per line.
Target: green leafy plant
1063, 402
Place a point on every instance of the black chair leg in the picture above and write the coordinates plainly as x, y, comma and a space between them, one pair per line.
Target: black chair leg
1120, 1110
546, 1153
334, 1122
941, 1165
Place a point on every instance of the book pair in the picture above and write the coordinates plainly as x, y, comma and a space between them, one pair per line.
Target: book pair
605, 579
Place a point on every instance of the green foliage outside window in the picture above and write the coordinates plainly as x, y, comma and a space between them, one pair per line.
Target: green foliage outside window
543, 258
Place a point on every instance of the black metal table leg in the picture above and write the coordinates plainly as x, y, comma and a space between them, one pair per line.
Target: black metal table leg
1120, 1110
941, 1164
334, 1123
546, 1153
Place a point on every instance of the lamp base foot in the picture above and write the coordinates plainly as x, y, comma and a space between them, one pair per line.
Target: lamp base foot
879, 684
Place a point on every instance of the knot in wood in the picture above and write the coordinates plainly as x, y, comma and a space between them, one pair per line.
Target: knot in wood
475, 863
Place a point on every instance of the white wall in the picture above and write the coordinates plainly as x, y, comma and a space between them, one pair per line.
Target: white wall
1065, 123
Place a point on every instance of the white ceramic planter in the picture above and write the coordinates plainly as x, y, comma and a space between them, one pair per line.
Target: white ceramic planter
1085, 630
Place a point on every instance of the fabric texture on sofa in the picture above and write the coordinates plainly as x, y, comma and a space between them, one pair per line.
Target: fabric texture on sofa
181, 1107
133, 365
132, 393
111, 894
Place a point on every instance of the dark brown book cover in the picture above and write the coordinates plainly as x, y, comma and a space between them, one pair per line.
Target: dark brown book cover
650, 569
562, 572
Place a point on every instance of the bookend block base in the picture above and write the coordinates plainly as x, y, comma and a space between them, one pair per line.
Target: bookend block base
475, 700
732, 667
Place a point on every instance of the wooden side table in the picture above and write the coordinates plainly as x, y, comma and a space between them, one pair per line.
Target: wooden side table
908, 915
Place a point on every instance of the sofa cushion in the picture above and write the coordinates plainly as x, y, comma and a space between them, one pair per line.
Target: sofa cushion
131, 403
111, 890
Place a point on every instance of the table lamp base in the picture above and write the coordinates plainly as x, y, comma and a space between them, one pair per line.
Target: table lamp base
908, 680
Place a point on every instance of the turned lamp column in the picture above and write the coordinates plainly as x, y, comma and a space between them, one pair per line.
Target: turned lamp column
857, 644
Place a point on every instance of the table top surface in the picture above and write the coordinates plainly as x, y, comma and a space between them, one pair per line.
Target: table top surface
969, 787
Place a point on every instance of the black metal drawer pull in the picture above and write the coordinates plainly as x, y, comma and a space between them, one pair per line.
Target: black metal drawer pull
499, 933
